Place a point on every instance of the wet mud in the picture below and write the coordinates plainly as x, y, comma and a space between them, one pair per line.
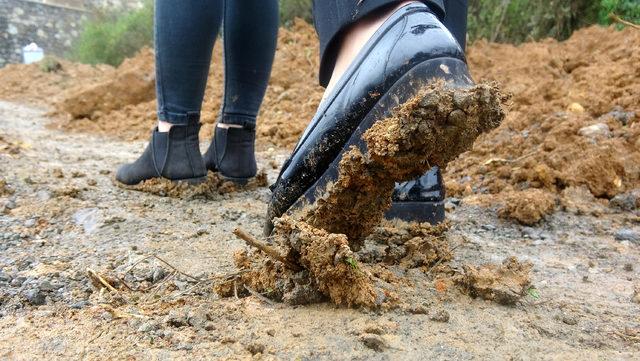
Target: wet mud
211, 188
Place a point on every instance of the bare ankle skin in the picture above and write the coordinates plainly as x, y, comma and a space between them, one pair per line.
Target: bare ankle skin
354, 39
163, 126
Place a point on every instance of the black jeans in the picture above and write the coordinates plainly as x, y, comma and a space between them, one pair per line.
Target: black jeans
185, 32
332, 17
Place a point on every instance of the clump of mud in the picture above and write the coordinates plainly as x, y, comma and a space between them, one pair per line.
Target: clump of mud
432, 128
5, 188
209, 189
529, 206
9, 147
407, 244
325, 267
506, 283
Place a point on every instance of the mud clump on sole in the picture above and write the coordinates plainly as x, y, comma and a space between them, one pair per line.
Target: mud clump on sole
211, 188
329, 269
505, 284
432, 128
528, 207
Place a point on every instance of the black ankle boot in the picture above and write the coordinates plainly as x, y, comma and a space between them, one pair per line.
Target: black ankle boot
174, 155
232, 150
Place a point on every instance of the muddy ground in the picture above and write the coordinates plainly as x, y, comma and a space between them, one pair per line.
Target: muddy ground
67, 231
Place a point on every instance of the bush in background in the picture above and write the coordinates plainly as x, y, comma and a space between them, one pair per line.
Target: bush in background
291, 9
110, 37
516, 21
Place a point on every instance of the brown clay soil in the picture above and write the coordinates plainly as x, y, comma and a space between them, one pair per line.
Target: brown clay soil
539, 257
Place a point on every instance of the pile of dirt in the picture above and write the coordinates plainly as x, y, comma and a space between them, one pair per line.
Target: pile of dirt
316, 246
122, 102
132, 83
36, 84
573, 122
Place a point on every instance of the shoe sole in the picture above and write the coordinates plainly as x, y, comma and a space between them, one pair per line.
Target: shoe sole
352, 196
238, 181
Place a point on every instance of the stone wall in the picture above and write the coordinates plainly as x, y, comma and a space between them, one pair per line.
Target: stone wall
52, 24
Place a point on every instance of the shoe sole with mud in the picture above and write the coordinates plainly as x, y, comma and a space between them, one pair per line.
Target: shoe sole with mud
411, 129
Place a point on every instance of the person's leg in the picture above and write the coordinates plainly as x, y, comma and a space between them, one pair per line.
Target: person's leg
185, 32
250, 37
456, 19
344, 26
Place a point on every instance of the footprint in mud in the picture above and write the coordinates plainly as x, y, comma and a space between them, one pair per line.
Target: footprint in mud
209, 189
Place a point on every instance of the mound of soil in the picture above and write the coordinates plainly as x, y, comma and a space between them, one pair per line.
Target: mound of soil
34, 84
573, 122
122, 103
528, 206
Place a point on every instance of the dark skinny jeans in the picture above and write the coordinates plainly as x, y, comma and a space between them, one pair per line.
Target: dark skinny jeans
185, 32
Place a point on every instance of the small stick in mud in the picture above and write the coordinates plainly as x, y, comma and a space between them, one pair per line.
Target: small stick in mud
94, 276
268, 250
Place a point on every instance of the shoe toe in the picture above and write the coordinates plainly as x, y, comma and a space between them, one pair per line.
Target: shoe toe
124, 176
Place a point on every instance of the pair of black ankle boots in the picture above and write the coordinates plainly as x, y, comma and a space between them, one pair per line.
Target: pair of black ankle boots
175, 155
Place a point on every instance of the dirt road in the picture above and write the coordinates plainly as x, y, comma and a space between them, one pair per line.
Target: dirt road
61, 215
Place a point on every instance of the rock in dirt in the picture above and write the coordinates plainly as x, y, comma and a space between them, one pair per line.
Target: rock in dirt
505, 284
620, 115
88, 218
374, 342
255, 348
627, 201
440, 316
595, 131
627, 234
528, 207
35, 297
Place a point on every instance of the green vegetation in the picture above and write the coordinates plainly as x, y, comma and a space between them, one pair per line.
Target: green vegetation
109, 38
291, 9
516, 21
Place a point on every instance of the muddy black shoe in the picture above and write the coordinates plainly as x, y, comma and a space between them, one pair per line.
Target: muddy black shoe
173, 155
419, 200
232, 150
407, 54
